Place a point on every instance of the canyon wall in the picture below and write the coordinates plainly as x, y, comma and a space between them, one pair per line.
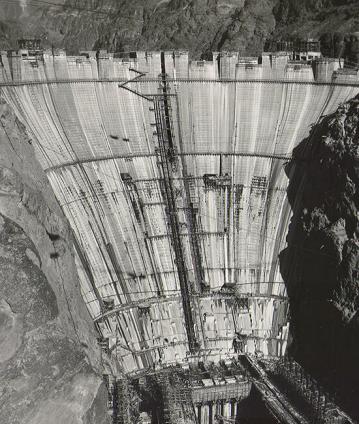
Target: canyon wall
320, 264
198, 25
50, 365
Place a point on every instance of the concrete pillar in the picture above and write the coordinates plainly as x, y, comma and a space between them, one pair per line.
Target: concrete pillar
227, 409
198, 413
234, 408
205, 414
218, 408
211, 413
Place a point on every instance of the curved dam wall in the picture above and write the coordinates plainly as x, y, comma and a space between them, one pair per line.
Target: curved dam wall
175, 188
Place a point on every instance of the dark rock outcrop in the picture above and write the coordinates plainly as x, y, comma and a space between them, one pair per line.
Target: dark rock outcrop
50, 365
321, 263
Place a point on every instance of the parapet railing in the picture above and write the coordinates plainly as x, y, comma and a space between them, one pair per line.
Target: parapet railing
178, 80
285, 158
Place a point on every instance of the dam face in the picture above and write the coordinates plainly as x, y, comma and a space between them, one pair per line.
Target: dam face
172, 175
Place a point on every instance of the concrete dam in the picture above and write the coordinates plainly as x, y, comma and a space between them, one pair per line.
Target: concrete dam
172, 175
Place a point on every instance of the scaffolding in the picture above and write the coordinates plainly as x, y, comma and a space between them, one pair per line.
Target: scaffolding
167, 163
177, 401
300, 386
122, 402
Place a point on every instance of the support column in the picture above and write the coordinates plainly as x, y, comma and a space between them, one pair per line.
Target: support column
211, 414
234, 408
205, 414
218, 407
227, 409
198, 413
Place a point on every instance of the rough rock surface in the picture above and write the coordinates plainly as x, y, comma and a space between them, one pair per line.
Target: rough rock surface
200, 26
311, 18
50, 366
321, 264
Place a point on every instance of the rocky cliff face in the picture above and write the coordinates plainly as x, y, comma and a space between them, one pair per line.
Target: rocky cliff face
50, 366
334, 22
311, 18
321, 264
200, 26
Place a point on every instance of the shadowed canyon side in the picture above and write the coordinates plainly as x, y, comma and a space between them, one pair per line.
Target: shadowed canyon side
50, 367
320, 264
